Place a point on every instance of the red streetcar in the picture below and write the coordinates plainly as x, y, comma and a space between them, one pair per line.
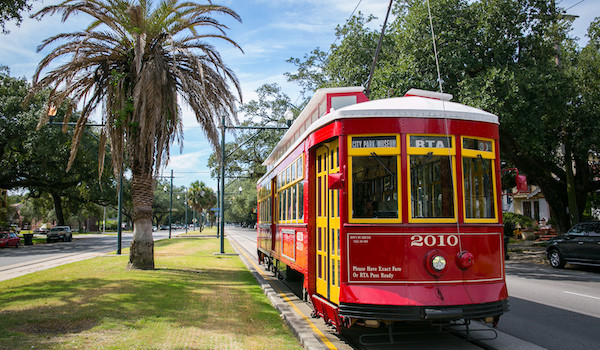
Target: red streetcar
388, 209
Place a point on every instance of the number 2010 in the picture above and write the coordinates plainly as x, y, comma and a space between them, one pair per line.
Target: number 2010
433, 240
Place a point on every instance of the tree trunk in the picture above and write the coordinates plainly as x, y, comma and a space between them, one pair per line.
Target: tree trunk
58, 209
141, 254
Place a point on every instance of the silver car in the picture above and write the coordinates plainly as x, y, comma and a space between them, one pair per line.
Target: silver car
59, 233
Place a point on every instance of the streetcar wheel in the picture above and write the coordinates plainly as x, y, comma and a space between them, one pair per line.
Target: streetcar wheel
556, 259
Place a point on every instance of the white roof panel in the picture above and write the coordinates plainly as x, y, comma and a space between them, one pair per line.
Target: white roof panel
415, 107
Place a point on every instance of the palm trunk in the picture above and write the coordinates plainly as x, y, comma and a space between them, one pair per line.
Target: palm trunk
141, 254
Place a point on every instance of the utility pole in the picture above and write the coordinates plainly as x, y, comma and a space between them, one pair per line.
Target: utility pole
171, 204
119, 217
222, 204
186, 205
219, 201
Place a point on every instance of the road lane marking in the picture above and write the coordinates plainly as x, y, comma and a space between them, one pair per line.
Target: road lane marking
324, 339
581, 295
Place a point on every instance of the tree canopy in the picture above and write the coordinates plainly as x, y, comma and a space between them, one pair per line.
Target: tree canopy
202, 199
513, 58
36, 159
12, 11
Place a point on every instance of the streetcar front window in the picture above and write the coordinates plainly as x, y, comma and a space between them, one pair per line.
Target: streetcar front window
375, 186
479, 179
432, 194
479, 189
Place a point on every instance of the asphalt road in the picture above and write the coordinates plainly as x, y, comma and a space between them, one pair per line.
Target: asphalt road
556, 309
26, 259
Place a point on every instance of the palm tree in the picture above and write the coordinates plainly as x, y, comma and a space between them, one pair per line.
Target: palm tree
201, 198
135, 60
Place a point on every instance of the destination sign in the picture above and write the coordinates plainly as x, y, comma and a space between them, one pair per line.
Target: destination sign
430, 142
374, 142
477, 145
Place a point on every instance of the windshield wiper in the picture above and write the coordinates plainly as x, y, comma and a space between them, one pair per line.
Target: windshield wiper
378, 159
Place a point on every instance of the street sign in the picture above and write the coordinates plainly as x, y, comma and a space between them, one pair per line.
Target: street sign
215, 209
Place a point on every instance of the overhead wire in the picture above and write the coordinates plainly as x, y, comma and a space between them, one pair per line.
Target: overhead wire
439, 76
329, 50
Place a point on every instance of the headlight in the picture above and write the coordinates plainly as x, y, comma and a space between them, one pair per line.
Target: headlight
438, 263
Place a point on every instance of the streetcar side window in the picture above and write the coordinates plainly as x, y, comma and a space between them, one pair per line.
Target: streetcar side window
374, 163
432, 186
264, 203
290, 193
479, 180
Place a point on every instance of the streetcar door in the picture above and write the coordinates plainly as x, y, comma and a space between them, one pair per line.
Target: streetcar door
328, 223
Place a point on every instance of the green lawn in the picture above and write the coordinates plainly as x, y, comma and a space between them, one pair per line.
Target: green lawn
194, 299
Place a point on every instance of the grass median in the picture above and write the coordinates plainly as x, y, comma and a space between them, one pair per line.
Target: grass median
193, 299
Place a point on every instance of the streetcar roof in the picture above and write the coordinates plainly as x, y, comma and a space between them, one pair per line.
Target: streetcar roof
414, 107
410, 106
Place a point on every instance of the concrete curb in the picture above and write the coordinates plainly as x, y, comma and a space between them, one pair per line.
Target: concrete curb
301, 331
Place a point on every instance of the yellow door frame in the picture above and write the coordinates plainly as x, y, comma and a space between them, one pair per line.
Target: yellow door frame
328, 223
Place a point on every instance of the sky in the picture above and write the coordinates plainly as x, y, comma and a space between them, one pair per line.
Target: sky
271, 32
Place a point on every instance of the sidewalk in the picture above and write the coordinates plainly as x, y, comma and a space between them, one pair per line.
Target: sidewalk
528, 252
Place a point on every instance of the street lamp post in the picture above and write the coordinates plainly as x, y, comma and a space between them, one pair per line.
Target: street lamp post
171, 204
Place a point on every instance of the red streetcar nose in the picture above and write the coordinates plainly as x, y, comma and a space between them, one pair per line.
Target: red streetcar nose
465, 259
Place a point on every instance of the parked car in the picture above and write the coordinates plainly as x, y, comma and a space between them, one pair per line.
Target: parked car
9, 239
580, 245
59, 233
